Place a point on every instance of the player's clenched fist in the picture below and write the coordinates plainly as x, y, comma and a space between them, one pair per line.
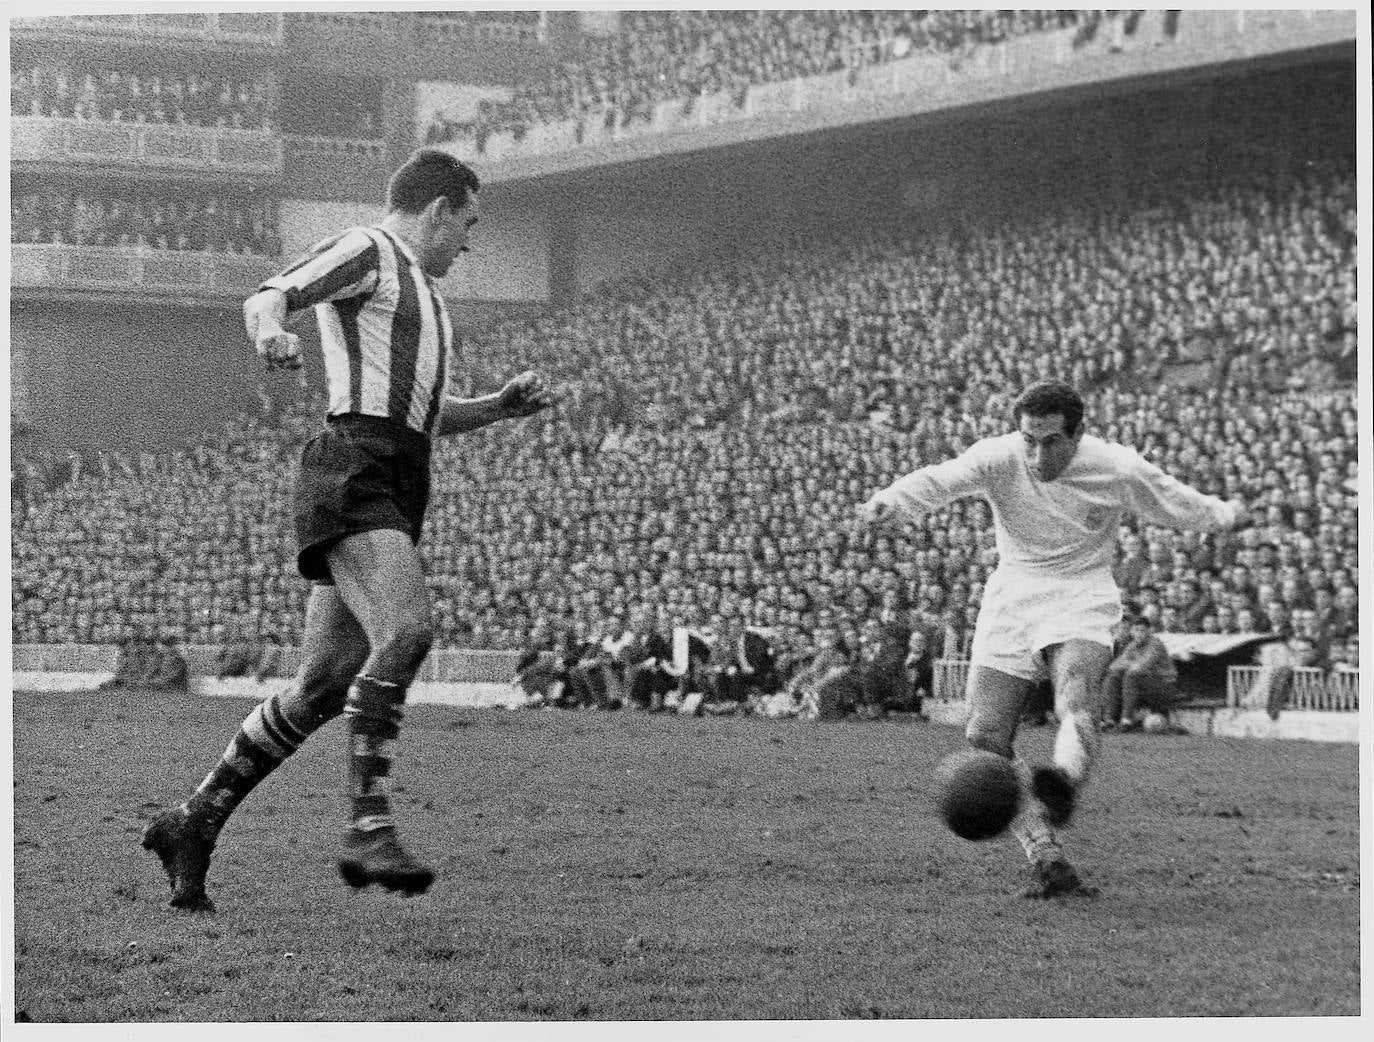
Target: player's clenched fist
526, 395
280, 350
873, 512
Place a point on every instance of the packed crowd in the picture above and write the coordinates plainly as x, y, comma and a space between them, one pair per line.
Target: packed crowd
719, 427
1248, 283
220, 224
664, 55
72, 90
191, 544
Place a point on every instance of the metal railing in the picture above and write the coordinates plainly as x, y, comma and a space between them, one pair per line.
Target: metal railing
36, 138
352, 19
370, 148
467, 25
133, 268
950, 677
1312, 689
228, 27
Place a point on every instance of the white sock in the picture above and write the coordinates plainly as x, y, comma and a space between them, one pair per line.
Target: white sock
1076, 745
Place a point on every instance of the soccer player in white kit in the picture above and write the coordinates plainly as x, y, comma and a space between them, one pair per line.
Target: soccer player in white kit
1057, 497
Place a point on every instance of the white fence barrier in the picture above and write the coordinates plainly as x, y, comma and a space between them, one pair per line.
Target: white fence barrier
1313, 690
950, 678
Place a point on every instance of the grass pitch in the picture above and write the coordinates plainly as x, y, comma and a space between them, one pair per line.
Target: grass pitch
624, 866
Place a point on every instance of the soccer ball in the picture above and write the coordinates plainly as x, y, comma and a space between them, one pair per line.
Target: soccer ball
978, 793
1155, 723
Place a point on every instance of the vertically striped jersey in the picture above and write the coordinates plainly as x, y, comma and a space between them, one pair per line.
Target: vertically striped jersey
1066, 526
384, 328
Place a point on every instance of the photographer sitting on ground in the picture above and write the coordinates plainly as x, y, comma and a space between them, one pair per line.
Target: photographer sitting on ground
540, 674
134, 665
828, 687
1141, 677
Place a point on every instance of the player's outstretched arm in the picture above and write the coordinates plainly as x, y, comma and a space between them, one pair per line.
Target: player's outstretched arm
1162, 499
930, 488
264, 316
523, 395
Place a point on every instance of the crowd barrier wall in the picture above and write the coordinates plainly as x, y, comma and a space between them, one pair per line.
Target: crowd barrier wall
240, 27
224, 149
1314, 690
122, 269
1321, 708
443, 665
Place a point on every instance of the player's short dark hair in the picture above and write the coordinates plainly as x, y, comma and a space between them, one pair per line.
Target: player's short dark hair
428, 174
1050, 398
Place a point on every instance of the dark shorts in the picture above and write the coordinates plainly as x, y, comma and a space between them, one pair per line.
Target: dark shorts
359, 474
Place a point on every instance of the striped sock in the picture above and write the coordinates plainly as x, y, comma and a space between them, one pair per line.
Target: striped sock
374, 711
264, 739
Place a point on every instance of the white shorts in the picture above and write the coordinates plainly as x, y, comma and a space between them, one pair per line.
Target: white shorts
1023, 613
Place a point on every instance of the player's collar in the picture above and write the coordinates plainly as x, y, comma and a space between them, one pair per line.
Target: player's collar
404, 247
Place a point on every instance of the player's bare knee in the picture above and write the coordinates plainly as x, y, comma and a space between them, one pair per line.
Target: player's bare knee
325, 681
342, 672
1080, 689
411, 638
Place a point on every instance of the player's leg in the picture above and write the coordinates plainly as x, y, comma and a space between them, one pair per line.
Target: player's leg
1077, 668
1113, 698
995, 701
1132, 689
333, 649
379, 577
1143, 691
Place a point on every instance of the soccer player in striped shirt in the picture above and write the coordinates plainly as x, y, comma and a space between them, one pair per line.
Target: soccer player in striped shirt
361, 493
1048, 609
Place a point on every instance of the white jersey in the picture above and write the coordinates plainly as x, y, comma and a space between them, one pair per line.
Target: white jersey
1066, 526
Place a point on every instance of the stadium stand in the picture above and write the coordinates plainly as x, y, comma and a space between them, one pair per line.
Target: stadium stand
496, 25
72, 90
165, 220
665, 55
720, 424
